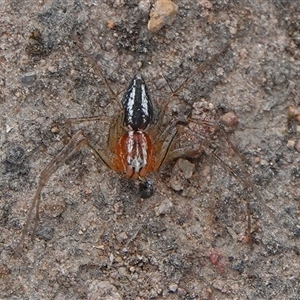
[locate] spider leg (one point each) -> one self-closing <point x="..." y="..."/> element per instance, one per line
<point x="246" y="186"/>
<point x="164" y="142"/>
<point x="88" y="119"/>
<point x="74" y="145"/>
<point x="78" y="43"/>
<point x="116" y="130"/>
<point x="245" y="179"/>
<point x="201" y="68"/>
<point x="103" y="156"/>
<point x="68" y="123"/>
<point x="169" y="137"/>
<point x="77" y="141"/>
<point x="241" y="175"/>
<point x="166" y="139"/>
<point x="189" y="151"/>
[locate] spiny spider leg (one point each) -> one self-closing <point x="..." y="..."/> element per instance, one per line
<point x="96" y="67"/>
<point x="168" y="138"/>
<point x="191" y="151"/>
<point x="201" y="68"/>
<point x="68" y="122"/>
<point x="88" y="119"/>
<point x="77" y="141"/>
<point x="247" y="181"/>
<point x="179" y="152"/>
<point x="244" y="178"/>
<point x="166" y="148"/>
<point x="74" y="145"/>
<point x="204" y="146"/>
<point x="113" y="95"/>
<point x="116" y="130"/>
<point x="246" y="186"/>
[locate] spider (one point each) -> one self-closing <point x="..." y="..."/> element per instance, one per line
<point x="136" y="144"/>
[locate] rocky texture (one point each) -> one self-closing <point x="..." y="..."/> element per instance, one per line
<point x="97" y="238"/>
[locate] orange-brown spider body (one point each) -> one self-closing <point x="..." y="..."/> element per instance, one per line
<point x="134" y="150"/>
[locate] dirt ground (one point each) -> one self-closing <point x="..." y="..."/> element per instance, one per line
<point x="97" y="238"/>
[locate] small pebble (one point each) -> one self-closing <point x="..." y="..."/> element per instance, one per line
<point x="294" y="113"/>
<point x="230" y="121"/>
<point x="46" y="233"/>
<point x="182" y="171"/>
<point x="291" y="144"/>
<point x="15" y="155"/>
<point x="111" y="258"/>
<point x="118" y="259"/>
<point x="220" y="72"/>
<point x="173" y="287"/>
<point x="164" y="208"/>
<point x="122" y="271"/>
<point x="4" y="271"/>
<point x="181" y="292"/>
<point x="163" y="13"/>
<point x="176" y="184"/>
<point x="122" y="237"/>
<point x="52" y="69"/>
<point x="186" y="167"/>
<point x="264" y="162"/>
<point x="55" y="209"/>
<point x="297" y="146"/>
<point x="29" y="78"/>
<point x="103" y="290"/>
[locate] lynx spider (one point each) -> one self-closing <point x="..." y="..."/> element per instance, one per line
<point x="131" y="149"/>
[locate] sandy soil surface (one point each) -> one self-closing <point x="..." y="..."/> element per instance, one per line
<point x="98" y="239"/>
